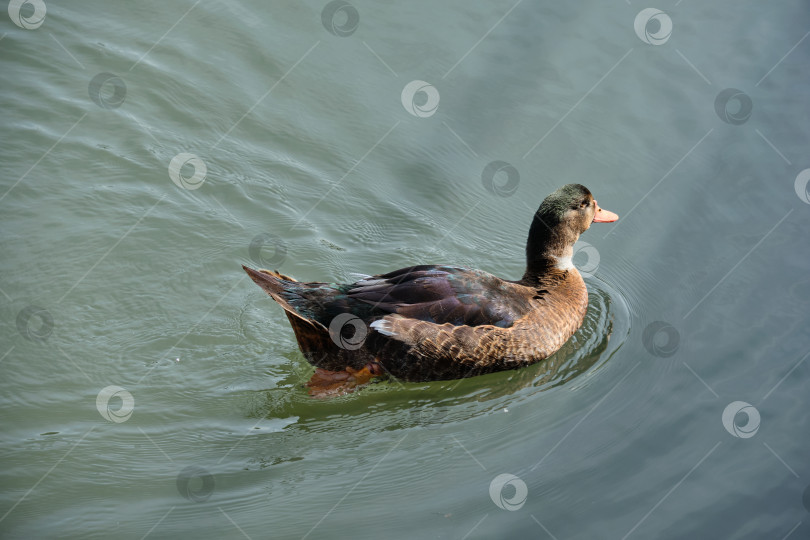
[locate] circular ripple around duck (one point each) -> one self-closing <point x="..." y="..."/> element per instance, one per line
<point x="330" y="430"/>
<point x="603" y="332"/>
<point x="432" y="404"/>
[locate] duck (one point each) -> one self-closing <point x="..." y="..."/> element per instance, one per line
<point x="441" y="322"/>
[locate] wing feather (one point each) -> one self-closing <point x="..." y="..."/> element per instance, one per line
<point x="458" y="296"/>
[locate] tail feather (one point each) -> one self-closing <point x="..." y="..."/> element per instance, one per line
<point x="273" y="283"/>
<point x="312" y="336"/>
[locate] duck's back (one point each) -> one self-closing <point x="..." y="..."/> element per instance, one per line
<point x="422" y="350"/>
<point x="436" y="294"/>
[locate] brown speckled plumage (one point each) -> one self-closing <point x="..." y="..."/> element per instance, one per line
<point x="442" y="322"/>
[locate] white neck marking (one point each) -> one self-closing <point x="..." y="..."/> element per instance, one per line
<point x="564" y="263"/>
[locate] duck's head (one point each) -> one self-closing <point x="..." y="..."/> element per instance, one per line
<point x="561" y="218"/>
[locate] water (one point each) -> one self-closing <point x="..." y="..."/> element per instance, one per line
<point x="114" y="275"/>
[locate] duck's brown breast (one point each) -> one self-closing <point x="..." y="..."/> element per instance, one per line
<point x="559" y="310"/>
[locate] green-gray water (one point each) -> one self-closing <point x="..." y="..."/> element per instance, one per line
<point x="150" y="148"/>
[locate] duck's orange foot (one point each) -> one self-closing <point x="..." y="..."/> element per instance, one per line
<point x="325" y="383"/>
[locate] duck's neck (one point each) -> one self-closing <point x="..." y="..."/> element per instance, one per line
<point x="549" y="251"/>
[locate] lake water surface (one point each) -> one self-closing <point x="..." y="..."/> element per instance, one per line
<point x="150" y="389"/>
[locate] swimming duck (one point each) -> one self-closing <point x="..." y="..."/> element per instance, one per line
<point x="433" y="322"/>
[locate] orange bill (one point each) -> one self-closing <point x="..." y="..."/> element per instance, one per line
<point x="603" y="216"/>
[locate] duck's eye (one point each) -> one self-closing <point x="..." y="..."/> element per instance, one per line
<point x="583" y="204"/>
